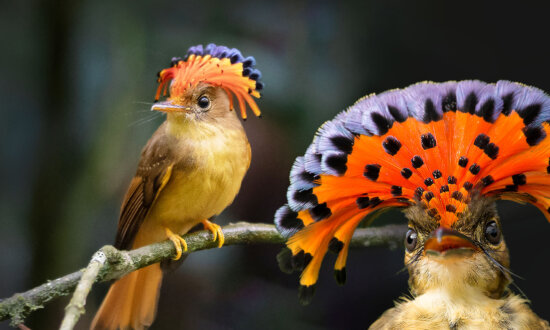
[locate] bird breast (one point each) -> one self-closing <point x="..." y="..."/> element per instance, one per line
<point x="205" y="181"/>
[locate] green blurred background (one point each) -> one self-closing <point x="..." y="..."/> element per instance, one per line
<point x="76" y="83"/>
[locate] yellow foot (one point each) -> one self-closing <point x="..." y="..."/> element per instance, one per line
<point x="178" y="242"/>
<point x="216" y="230"/>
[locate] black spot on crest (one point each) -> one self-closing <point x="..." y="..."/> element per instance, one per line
<point x="429" y="195"/>
<point x="362" y="202"/>
<point x="487" y="110"/>
<point x="381" y="122"/>
<point x="470" y="103"/>
<point x="450" y="208"/>
<point x="308" y="177"/>
<point x="530" y="113"/>
<point x="428" y="141"/>
<point x="437" y="174"/>
<point x="396" y="190"/>
<point x="306" y="293"/>
<point x="375" y="201"/>
<point x="406" y="172"/>
<point x="417" y="161"/>
<point x="305" y="196"/>
<point x="491" y="150"/>
<point x="511" y="188"/>
<point x="534" y="135"/>
<point x="335" y="245"/>
<point x="300" y="260"/>
<point x="428" y="182"/>
<point x="462" y="161"/>
<point x="320" y="212"/>
<point x="430" y="112"/>
<point x="372" y="171"/>
<point x="396" y="114"/>
<point x="487" y="180"/>
<point x="457" y="195"/>
<point x="391" y="145"/>
<point x="444" y="189"/>
<point x="338" y="163"/>
<point x="519" y="179"/>
<point x="507" y="104"/>
<point x="340" y="276"/>
<point x="290" y="220"/>
<point x="342" y="143"/>
<point x="449" y="102"/>
<point x="451" y="180"/>
<point x="481" y="141"/>
<point x="418" y="192"/>
<point x="468" y="185"/>
<point x="474" y="169"/>
<point x="432" y="212"/>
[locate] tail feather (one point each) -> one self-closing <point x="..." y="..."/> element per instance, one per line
<point x="131" y="302"/>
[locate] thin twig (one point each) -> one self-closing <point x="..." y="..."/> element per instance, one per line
<point x="120" y="263"/>
<point x="75" y="308"/>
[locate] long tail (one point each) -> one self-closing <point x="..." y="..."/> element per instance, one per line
<point x="131" y="302"/>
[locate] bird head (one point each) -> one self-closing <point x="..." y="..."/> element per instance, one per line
<point x="470" y="253"/>
<point x="202" y="84"/>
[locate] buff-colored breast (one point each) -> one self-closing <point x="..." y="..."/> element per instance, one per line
<point x="220" y="158"/>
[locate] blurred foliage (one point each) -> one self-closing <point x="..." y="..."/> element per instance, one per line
<point x="77" y="79"/>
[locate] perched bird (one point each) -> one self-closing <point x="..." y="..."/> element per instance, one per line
<point x="190" y="170"/>
<point x="443" y="152"/>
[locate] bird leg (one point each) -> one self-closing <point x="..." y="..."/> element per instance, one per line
<point x="178" y="241"/>
<point x="216" y="231"/>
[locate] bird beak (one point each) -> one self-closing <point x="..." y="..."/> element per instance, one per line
<point x="445" y="242"/>
<point x="168" y="106"/>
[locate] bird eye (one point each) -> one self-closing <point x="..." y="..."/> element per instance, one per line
<point x="203" y="102"/>
<point x="410" y="239"/>
<point x="492" y="232"/>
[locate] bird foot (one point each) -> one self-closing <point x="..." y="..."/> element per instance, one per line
<point x="178" y="241"/>
<point x="216" y="230"/>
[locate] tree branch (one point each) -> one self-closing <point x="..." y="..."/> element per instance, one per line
<point x="119" y="263"/>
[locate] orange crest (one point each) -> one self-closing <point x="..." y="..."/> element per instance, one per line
<point x="434" y="145"/>
<point x="218" y="66"/>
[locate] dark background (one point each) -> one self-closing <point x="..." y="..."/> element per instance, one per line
<point x="76" y="83"/>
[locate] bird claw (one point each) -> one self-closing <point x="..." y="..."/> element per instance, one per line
<point x="178" y="242"/>
<point x="216" y="231"/>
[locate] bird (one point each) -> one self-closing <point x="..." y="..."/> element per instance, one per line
<point x="443" y="153"/>
<point x="190" y="170"/>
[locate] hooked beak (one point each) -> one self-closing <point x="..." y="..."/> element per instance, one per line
<point x="168" y="106"/>
<point x="446" y="242"/>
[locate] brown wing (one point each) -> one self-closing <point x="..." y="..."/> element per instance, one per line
<point x="141" y="194"/>
<point x="154" y="170"/>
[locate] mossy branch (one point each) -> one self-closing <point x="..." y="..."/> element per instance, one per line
<point x="119" y="263"/>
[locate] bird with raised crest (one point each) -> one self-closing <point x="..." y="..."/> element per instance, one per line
<point x="190" y="170"/>
<point x="444" y="153"/>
